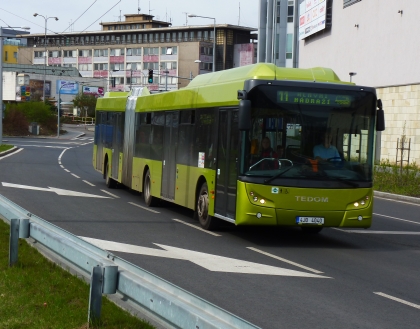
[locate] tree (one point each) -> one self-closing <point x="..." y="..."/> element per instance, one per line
<point x="86" y="103"/>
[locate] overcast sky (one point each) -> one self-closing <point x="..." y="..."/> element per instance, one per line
<point x="85" y="15"/>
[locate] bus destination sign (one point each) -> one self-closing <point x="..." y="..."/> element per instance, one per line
<point x="305" y="98"/>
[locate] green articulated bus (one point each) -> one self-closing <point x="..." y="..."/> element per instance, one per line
<point x="255" y="145"/>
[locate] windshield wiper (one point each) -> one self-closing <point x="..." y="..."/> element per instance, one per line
<point x="268" y="180"/>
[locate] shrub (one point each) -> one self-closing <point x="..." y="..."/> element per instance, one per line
<point x="393" y="178"/>
<point x="15" y="123"/>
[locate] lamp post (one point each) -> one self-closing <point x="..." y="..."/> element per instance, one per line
<point x="1" y="77"/>
<point x="352" y="74"/>
<point x="214" y="38"/>
<point x="46" y="18"/>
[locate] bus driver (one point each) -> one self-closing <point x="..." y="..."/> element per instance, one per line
<point x="325" y="150"/>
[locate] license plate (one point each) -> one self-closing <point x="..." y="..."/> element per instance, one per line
<point x="310" y="220"/>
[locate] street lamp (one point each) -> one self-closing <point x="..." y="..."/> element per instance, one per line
<point x="1" y="76"/>
<point x="214" y="38"/>
<point x="352" y="74"/>
<point x="46" y="18"/>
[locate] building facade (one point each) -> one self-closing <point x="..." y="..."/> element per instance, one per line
<point x="372" y="43"/>
<point x="278" y="32"/>
<point x="122" y="53"/>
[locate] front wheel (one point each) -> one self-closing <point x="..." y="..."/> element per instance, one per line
<point x="150" y="200"/>
<point x="110" y="183"/>
<point x="202" y="210"/>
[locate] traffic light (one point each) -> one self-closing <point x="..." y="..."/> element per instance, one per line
<point x="150" y="78"/>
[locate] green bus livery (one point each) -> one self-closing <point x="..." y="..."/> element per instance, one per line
<point x="255" y="145"/>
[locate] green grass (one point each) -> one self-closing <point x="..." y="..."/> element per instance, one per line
<point x="394" y="179"/>
<point x="37" y="293"/>
<point x="5" y="147"/>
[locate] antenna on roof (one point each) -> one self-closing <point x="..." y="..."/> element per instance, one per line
<point x="186" y="18"/>
<point x="138" y="7"/>
<point x="239" y="18"/>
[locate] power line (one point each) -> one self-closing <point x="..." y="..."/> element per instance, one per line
<point x="102" y="15"/>
<point x="80" y="16"/>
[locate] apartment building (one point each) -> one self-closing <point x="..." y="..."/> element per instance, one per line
<point x="123" y="52"/>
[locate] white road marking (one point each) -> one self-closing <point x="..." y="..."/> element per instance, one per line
<point x="148" y="209"/>
<point x="47" y="146"/>
<point x="208" y="261"/>
<point x="61" y="154"/>
<point x="285" y="260"/>
<point x="61" y="143"/>
<point x="109" y="193"/>
<point x="398" y="300"/>
<point x="88" y="183"/>
<point x="67" y="170"/>
<point x="411" y="203"/>
<point x="196" y="227"/>
<point x="404" y="220"/>
<point x="75" y="176"/>
<point x="378" y="232"/>
<point x="13" y="153"/>
<point x="55" y="190"/>
<point x="62" y="166"/>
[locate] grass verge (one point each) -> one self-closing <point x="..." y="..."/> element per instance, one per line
<point x="395" y="179"/>
<point x="5" y="147"/>
<point x="37" y="293"/>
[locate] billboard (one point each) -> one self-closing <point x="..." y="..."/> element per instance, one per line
<point x="36" y="87"/>
<point x="67" y="87"/>
<point x="312" y="17"/>
<point x="95" y="91"/>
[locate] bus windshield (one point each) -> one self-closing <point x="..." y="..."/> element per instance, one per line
<point x="307" y="137"/>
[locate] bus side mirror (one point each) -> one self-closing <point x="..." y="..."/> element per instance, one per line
<point x="244" y="114"/>
<point x="380" y="117"/>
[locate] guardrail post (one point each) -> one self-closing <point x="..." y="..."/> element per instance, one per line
<point x="13" y="241"/>
<point x="19" y="228"/>
<point x="95" y="295"/>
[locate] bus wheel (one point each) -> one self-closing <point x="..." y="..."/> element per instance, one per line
<point x="311" y="230"/>
<point x="202" y="210"/>
<point x="108" y="180"/>
<point x="150" y="200"/>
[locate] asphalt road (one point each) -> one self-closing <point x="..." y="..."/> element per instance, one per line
<point x="274" y="278"/>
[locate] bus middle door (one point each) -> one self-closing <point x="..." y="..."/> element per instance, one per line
<point x="170" y="138"/>
<point x="226" y="165"/>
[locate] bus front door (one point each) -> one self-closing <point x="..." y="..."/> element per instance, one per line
<point x="170" y="136"/>
<point x="226" y="164"/>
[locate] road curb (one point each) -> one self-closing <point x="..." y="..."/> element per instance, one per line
<point x="12" y="150"/>
<point x="397" y="197"/>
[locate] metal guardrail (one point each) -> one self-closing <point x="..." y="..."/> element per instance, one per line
<point x="109" y="274"/>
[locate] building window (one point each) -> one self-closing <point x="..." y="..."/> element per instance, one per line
<point x="85" y="53"/>
<point x="117" y="52"/>
<point x="151" y="66"/>
<point x="347" y="3"/>
<point x="85" y="67"/>
<point x="151" y="51"/>
<point x="117" y="66"/>
<point x="168" y="50"/>
<point x="69" y="53"/>
<point x="290" y="14"/>
<point x="100" y="53"/>
<point x="15" y="55"/>
<point x="6" y="56"/>
<point x="133" y="51"/>
<point x="55" y="54"/>
<point x="169" y="65"/>
<point x="133" y="66"/>
<point x="101" y="67"/>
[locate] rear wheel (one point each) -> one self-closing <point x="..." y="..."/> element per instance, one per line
<point x="150" y="200"/>
<point x="202" y="210"/>
<point x="108" y="180"/>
